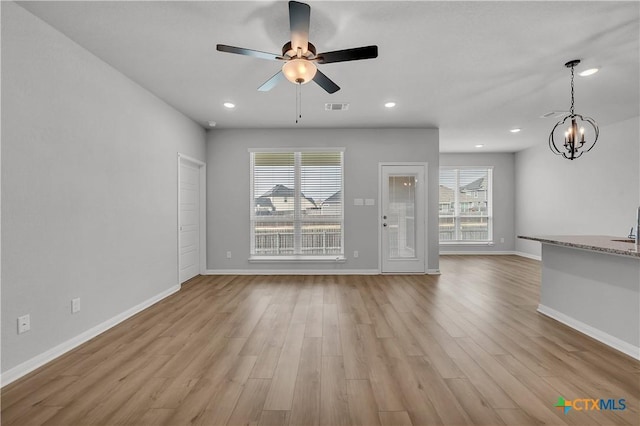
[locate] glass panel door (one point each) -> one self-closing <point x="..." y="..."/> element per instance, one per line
<point x="402" y="206"/>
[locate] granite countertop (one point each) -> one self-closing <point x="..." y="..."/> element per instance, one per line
<point x="602" y="243"/>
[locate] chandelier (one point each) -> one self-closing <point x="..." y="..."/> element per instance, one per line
<point x="581" y="134"/>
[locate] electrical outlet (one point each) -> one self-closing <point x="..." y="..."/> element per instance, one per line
<point x="228" y="255"/>
<point x="75" y="305"/>
<point x="356" y="254"/>
<point x="502" y="240"/>
<point x="24" y="323"/>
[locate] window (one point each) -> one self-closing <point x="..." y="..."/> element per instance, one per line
<point x="465" y="204"/>
<point x="296" y="204"/>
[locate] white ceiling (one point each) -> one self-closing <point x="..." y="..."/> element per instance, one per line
<point x="472" y="69"/>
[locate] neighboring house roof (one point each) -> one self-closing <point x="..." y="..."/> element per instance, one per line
<point x="283" y="191"/>
<point x="334" y="199"/>
<point x="479" y="184"/>
<point x="278" y="191"/>
<point x="264" y="202"/>
<point x="466" y="193"/>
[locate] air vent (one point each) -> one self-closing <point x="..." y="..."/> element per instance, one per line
<point x="554" y="114"/>
<point x="336" y="107"/>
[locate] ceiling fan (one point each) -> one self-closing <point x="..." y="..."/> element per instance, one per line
<point x="299" y="55"/>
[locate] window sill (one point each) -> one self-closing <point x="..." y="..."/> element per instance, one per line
<point x="308" y="259"/>
<point x="466" y="243"/>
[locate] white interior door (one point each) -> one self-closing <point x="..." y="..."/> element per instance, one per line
<point x="189" y="219"/>
<point x="402" y="220"/>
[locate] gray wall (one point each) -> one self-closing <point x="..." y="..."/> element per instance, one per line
<point x="89" y="204"/>
<point x="503" y="199"/>
<point x="228" y="189"/>
<point x="597" y="194"/>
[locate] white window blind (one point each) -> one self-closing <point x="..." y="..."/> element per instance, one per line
<point x="465" y="206"/>
<point x="296" y="204"/>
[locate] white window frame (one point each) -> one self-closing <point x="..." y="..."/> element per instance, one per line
<point x="457" y="213"/>
<point x="298" y="219"/>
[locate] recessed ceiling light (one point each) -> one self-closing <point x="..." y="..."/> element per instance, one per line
<point x="515" y="130"/>
<point x="229" y="105"/>
<point x="480" y="145"/>
<point x="389" y="104"/>
<point x="588" y="72"/>
<point x="212" y="123"/>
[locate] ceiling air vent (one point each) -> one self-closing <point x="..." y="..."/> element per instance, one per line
<point x="336" y="107"/>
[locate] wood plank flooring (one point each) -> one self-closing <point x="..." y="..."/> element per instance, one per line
<point x="466" y="347"/>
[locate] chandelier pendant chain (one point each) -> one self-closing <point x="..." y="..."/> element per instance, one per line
<point x="572" y="109"/>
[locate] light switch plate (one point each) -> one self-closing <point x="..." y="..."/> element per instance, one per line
<point x="370" y="202"/>
<point x="358" y="202"/>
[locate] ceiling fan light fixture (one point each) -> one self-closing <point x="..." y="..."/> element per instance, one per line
<point x="299" y="70"/>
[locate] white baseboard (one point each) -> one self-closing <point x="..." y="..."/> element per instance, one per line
<point x="302" y="272"/>
<point x="599" y="335"/>
<point x="527" y="255"/>
<point x="292" y="272"/>
<point x="489" y="253"/>
<point x="476" y="253"/>
<point x="39" y="360"/>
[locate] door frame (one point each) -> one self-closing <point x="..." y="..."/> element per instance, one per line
<point x="202" y="175"/>
<point x="425" y="217"/>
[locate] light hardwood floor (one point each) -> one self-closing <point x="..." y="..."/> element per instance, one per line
<point x="466" y="347"/>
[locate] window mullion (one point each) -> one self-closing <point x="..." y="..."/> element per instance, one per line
<point x="297" y="214"/>
<point x="252" y="204"/>
<point x="490" y="204"/>
<point x="456" y="210"/>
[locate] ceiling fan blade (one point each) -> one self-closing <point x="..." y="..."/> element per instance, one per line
<point x="325" y="82"/>
<point x="355" y="54"/>
<point x="248" y="52"/>
<point x="271" y="83"/>
<point x="299" y="16"/>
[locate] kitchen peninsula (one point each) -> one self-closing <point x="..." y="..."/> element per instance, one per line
<point x="592" y="284"/>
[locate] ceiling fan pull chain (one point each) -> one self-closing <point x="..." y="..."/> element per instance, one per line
<point x="298" y="102"/>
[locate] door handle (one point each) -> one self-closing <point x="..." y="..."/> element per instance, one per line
<point x="384" y="224"/>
